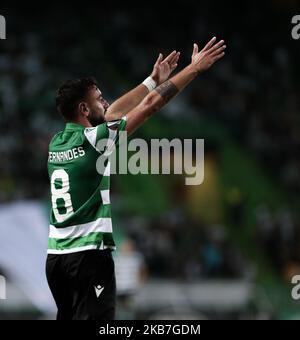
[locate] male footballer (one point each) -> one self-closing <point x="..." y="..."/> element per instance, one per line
<point x="80" y="268"/>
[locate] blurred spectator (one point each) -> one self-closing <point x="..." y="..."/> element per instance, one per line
<point x="131" y="273"/>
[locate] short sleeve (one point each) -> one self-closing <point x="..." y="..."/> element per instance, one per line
<point x="106" y="137"/>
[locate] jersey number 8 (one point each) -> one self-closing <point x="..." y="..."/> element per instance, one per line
<point x="61" y="193"/>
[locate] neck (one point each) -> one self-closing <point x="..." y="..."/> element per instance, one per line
<point x="81" y="121"/>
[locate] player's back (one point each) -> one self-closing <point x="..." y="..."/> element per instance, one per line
<point x="80" y="215"/>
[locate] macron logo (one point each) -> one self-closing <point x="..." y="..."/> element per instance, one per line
<point x="98" y="290"/>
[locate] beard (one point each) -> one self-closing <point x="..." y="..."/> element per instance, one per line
<point x="96" y="118"/>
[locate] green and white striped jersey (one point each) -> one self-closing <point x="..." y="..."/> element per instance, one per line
<point x="80" y="217"/>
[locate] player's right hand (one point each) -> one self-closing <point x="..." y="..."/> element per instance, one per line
<point x="212" y="52"/>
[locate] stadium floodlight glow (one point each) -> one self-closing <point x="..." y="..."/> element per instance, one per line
<point x="2" y="27"/>
<point x="2" y="288"/>
<point x="166" y="157"/>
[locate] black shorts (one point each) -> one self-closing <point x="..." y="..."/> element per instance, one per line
<point x="83" y="285"/>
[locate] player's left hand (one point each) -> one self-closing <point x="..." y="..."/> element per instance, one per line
<point x="164" y="67"/>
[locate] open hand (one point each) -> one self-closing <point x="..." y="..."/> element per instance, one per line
<point x="212" y="52"/>
<point x="163" y="68"/>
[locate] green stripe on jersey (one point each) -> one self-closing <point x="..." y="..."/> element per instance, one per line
<point x="91" y="239"/>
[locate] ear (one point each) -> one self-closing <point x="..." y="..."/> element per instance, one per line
<point x="83" y="109"/>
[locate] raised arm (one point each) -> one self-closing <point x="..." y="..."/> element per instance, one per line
<point x="158" y="98"/>
<point x="161" y="72"/>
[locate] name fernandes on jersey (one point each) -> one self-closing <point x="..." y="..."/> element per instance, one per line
<point x="67" y="155"/>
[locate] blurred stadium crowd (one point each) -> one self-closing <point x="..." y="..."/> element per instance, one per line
<point x="253" y="95"/>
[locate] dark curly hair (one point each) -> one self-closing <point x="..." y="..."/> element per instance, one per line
<point x="71" y="93"/>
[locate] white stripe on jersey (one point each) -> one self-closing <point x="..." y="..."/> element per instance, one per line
<point x="102" y="224"/>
